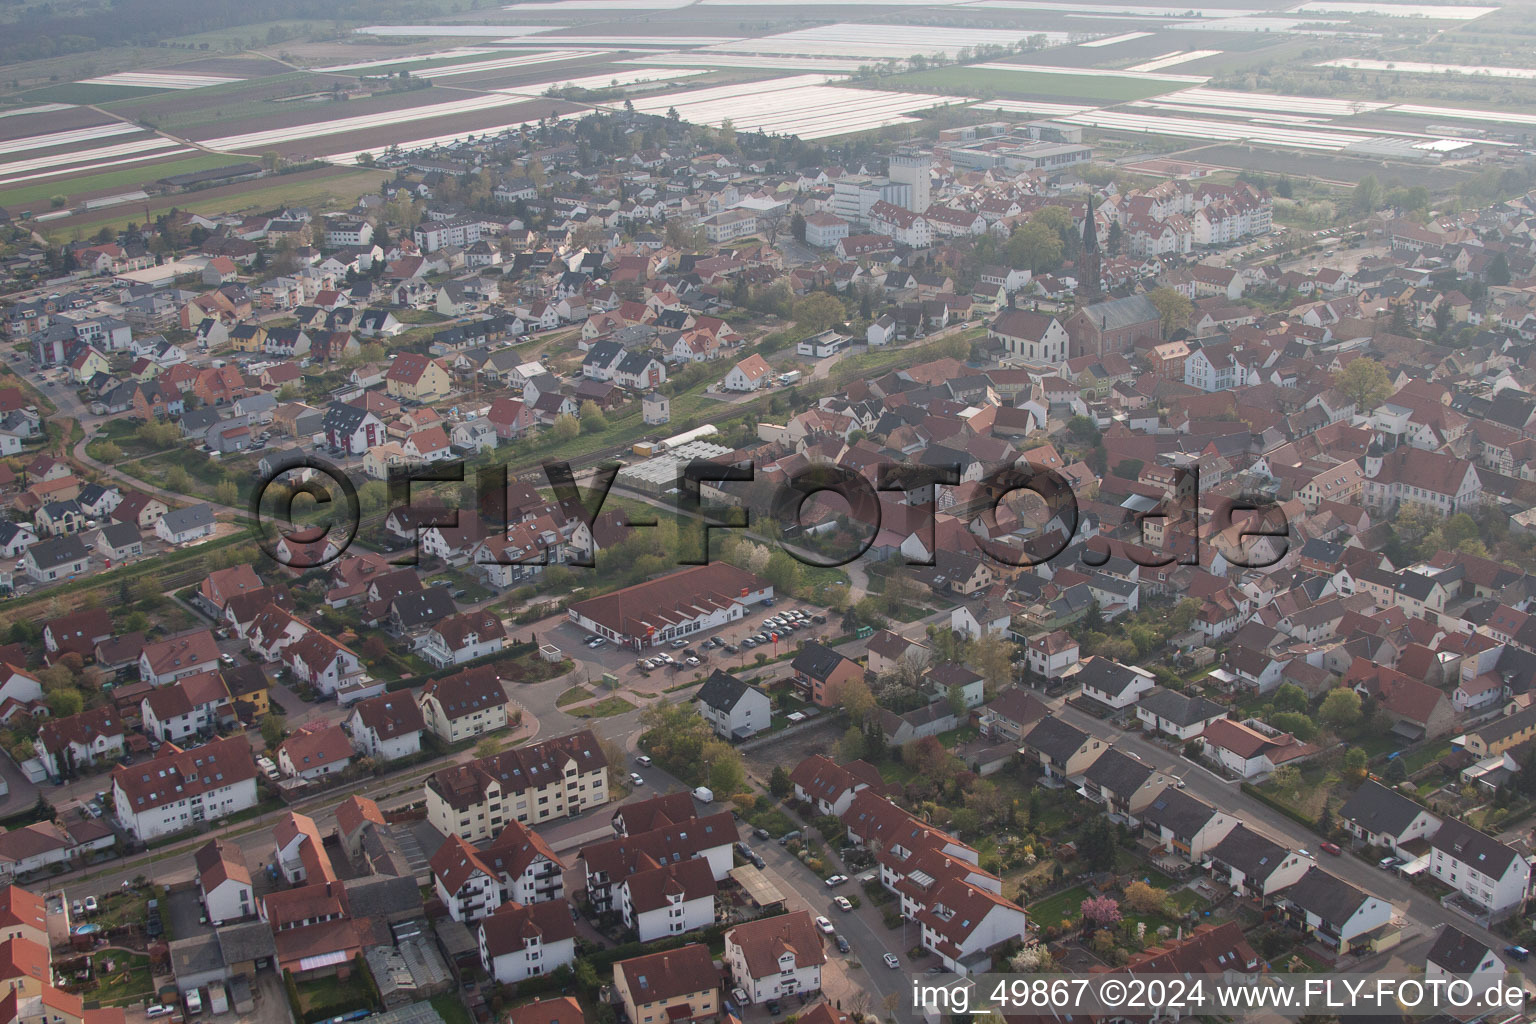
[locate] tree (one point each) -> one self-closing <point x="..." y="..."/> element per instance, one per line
<point x="1035" y="245"/>
<point x="1296" y="723"/>
<point x="1290" y="697"/>
<point x="1097" y="843"/>
<point x="566" y="428"/>
<point x="1498" y="270"/>
<point x="727" y="774"/>
<point x="1365" y="199"/>
<point x="853" y="744"/>
<point x="273" y="729"/>
<point x="176" y="479"/>
<point x="592" y="418"/>
<point x="57" y="202"/>
<point x="226" y="493"/>
<point x="1101" y="911"/>
<point x="1340" y="709"/>
<point x="1364" y="382"/>
<point x="1173" y="307"/>
<point x="779" y="783"/>
<point x="856" y="699"/>
<point x="1142" y="898"/>
<point x="108" y="452"/>
<point x="1356" y="765"/>
<point x="675" y="735"/>
<point x="1397" y="771"/>
<point x="797" y="228"/>
<point x="818" y="312"/>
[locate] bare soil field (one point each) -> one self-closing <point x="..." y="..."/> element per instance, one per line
<point x="1326" y="166"/>
<point x="302" y="112"/>
<point x="378" y="139"/>
<point x="245" y="65"/>
<point x="22" y="126"/>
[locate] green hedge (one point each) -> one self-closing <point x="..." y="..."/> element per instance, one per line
<point x="1269" y="801"/>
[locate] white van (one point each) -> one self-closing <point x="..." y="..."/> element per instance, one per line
<point x="704" y="795"/>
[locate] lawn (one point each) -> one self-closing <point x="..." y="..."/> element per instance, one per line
<point x="450" y="1009"/>
<point x="1026" y="84"/>
<point x="130" y="980"/>
<point x="574" y="695"/>
<point x="125" y="178"/>
<point x="1064" y="906"/>
<point x="604" y="708"/>
<point x="332" y="991"/>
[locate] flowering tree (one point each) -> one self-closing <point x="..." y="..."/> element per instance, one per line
<point x="1101" y="911"/>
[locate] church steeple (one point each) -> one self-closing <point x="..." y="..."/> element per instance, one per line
<point x="1088" y="275"/>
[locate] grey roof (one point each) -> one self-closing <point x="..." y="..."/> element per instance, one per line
<point x="426" y="605"/>
<point x="1255" y="855"/>
<point x="1055" y="738"/>
<point x="1473" y="848"/>
<point x="1332" y="899"/>
<point x="1116" y="313"/>
<point x="56" y="551"/>
<point x="1180" y="708"/>
<point x="1456" y="951"/>
<point x="190" y="518"/>
<point x="1502" y="728"/>
<point x="1107" y="676"/>
<point x="382" y="896"/>
<point x="1178" y="812"/>
<point x="200" y="955"/>
<point x="722" y="691"/>
<point x="1119" y="773"/>
<point x="120" y="534"/>
<point x="1379" y="810"/>
<point x="249" y="940"/>
<point x="816" y="660"/>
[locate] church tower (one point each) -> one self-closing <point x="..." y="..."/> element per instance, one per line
<point x="1088" y="267"/>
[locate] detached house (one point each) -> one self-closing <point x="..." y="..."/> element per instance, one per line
<point x="1493" y="876"/>
<point x="465" y="704"/>
<point x="774" y="957"/>
<point x="1379" y="816"/>
<point x="732" y="708"/>
<point x="519" y="942"/>
<point x="386" y="727"/>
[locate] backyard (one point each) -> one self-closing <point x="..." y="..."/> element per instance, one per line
<point x="121" y="978"/>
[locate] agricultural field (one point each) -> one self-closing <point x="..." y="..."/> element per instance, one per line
<point x="1024" y="83"/>
<point x="804" y="105"/>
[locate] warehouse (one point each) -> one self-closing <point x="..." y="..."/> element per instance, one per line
<point x="669" y="607"/>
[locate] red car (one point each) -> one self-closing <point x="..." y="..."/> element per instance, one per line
<point x="1332" y="848"/>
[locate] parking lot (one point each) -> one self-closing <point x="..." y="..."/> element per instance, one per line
<point x="725" y="647"/>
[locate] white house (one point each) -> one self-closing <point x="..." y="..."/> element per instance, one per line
<point x="224" y="882"/>
<point x="750" y="374"/>
<point x="1175" y="714"/>
<point x="669" y="900"/>
<point x="387" y="727"/>
<point x="467" y="886"/>
<point x="1255" y="864"/>
<point x="1188" y="826"/>
<point x="184" y="525"/>
<point x="734" y="709"/>
<point x="962" y="921"/>
<point x="526" y="865"/>
<point x="1113" y="684"/>
<point x="518" y="942"/>
<point x="1384" y="817"/>
<point x="774" y="957"/>
<point x="1456" y="954"/>
<point x="187" y="707"/>
<point x="464" y="637"/>
<point x="1336" y="913"/>
<point x="315" y="749"/>
<point x="1492" y="875"/>
<point x="180" y="789"/>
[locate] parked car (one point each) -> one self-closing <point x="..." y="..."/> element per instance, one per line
<point x="843" y="903"/>
<point x="835" y="880"/>
<point x="842" y="944"/>
<point x="760" y="833"/>
<point x="636" y="779"/>
<point x="91" y="904"/>
<point x="1332" y="848"/>
<point x="679" y="644"/>
<point x="825" y="925"/>
<point x="787" y="836"/>
<point x="732" y="649"/>
<point x="159" y="1010"/>
<point x="643" y="761"/>
<point x="773" y="1007"/>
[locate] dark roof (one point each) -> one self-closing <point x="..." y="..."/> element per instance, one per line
<point x="722" y="691"/>
<point x="1179" y="708"/>
<point x="1456" y="951"/>
<point x="1473" y="848"/>
<point x="1253" y="854"/>
<point x="1330" y="898"/>
<point x="816" y="660"/>
<point x="1120" y="773"/>
<point x="1055" y="738"/>
<point x="1178" y="812"/>
<point x="1380" y="810"/>
<point x="56" y="551"/>
<point x="429" y="604"/>
<point x="1107" y="676"/>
